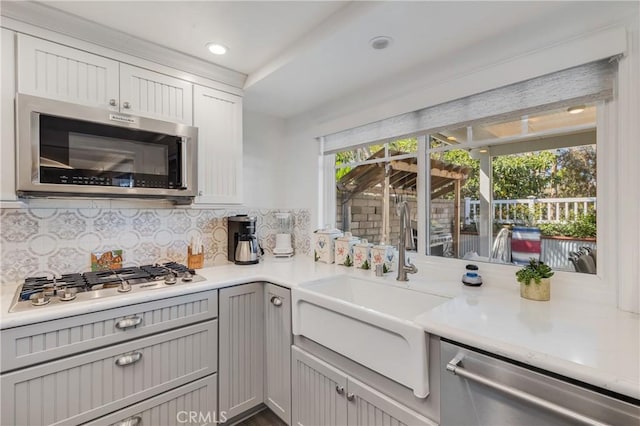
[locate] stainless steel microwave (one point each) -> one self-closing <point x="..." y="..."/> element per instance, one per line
<point x="65" y="149"/>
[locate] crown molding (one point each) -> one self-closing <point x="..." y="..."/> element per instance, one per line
<point x="45" y="17"/>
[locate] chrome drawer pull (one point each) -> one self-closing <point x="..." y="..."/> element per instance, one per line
<point x="339" y="389"/>
<point x="129" y="359"/>
<point x="276" y="301"/>
<point x="123" y="324"/>
<point x="350" y="396"/>
<point x="133" y="421"/>
<point x="454" y="368"/>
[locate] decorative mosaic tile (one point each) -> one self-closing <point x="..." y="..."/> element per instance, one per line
<point x="68" y="259"/>
<point x="179" y="222"/>
<point x="146" y="223"/>
<point x="17" y="264"/>
<point x="57" y="241"/>
<point x="18" y="226"/>
<point x="109" y="223"/>
<point x="67" y="225"/>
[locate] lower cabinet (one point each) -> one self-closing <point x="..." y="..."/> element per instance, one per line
<point x="277" y="374"/>
<point x="83" y="387"/>
<point x="192" y="404"/>
<point x="241" y="374"/>
<point x="255" y="349"/>
<point x="324" y="395"/>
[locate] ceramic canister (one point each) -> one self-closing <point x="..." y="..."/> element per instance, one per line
<point x="344" y="249"/>
<point x="383" y="254"/>
<point x="324" y="244"/>
<point x="362" y="255"/>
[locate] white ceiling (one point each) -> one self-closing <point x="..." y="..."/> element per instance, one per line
<point x="301" y="55"/>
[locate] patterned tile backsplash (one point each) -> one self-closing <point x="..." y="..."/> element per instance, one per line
<point x="59" y="241"/>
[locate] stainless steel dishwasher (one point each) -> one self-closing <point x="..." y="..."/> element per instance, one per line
<point x="481" y="389"/>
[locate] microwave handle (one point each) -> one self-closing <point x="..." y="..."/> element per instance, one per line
<point x="183" y="160"/>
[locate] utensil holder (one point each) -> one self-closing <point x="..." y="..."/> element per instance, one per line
<point x="195" y="261"/>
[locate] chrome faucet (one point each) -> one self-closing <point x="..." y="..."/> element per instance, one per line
<point x="404" y="267"/>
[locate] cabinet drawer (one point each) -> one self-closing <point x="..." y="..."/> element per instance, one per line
<point x="41" y="342"/>
<point x="192" y="404"/>
<point x="86" y="386"/>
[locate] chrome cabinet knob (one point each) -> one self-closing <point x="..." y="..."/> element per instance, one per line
<point x="126" y="105"/>
<point x="339" y="389"/>
<point x="276" y="301"/>
<point x="112" y="102"/>
<point x="350" y="396"/>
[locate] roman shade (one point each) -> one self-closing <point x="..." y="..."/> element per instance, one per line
<point x="586" y="83"/>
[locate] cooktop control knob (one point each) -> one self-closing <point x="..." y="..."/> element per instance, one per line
<point x="39" y="299"/>
<point x="170" y="280"/>
<point x="66" y="294"/>
<point x="124" y="287"/>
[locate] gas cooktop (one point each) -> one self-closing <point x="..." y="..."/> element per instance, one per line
<point x="37" y="292"/>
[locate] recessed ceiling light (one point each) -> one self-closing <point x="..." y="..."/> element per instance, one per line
<point x="576" y="109"/>
<point x="380" y="42"/>
<point x="483" y="150"/>
<point x="216" y="48"/>
<point x="451" y="138"/>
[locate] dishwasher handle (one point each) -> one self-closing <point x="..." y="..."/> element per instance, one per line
<point x="456" y="369"/>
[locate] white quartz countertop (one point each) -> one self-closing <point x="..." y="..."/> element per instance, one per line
<point x="599" y="345"/>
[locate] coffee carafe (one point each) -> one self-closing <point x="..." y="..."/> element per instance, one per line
<point x="242" y="241"/>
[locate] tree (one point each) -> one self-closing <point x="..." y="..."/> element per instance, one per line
<point x="576" y="172"/>
<point x="523" y="175"/>
<point x="514" y="176"/>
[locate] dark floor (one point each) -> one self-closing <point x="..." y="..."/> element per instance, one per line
<point x="263" y="418"/>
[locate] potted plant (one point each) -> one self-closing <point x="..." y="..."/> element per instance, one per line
<point x="535" y="280"/>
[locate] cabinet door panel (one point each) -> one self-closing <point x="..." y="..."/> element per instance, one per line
<point x="7" y="131"/>
<point x="318" y="390"/>
<point x="151" y="94"/>
<point x="278" y="351"/>
<point x="218" y="116"/>
<point x="80" y="388"/>
<point x="372" y="408"/>
<point x="54" y="71"/>
<point x="192" y="404"/>
<point x="241" y="348"/>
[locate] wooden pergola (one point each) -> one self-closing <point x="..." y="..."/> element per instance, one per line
<point x="401" y="176"/>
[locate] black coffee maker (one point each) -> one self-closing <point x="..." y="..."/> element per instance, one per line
<point x="242" y="242"/>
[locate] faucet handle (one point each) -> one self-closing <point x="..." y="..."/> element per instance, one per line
<point x="411" y="268"/>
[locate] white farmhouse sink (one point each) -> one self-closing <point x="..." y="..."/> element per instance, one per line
<point x="369" y="322"/>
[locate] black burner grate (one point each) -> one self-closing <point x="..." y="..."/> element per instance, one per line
<point x="34" y="285"/>
<point x="103" y="279"/>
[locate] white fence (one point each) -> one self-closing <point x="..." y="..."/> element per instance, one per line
<point x="542" y="210"/>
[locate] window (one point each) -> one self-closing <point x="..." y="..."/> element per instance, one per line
<point x="503" y="125"/>
<point x="369" y="182"/>
<point x="516" y="189"/>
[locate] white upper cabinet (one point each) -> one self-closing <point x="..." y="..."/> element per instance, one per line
<point x="218" y="116"/>
<point x="150" y="94"/>
<point x="7" y="130"/>
<point x="54" y="71"/>
<point x="51" y="70"/>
